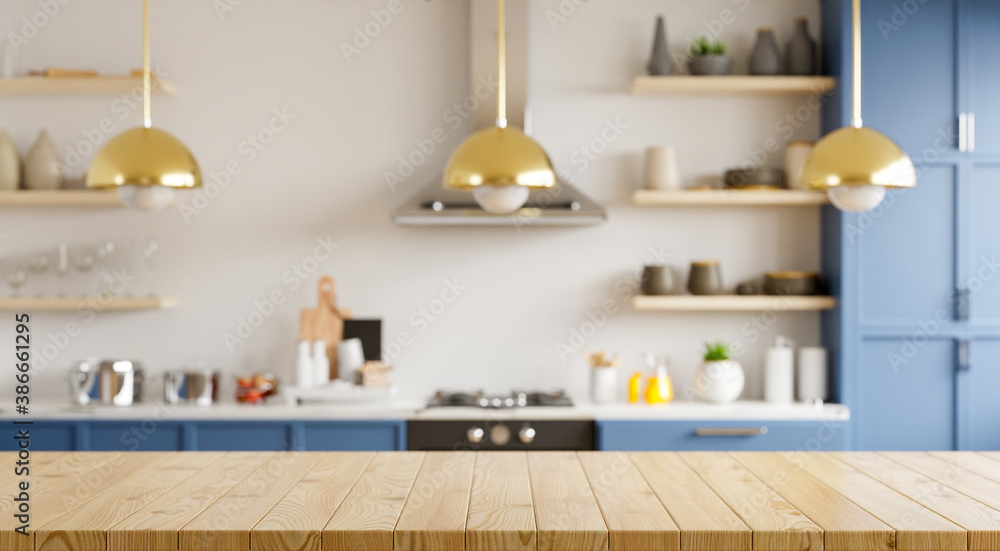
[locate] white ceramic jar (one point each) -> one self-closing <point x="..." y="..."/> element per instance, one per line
<point x="719" y="382"/>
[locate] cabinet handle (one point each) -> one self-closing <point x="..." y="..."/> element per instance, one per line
<point x="962" y="306"/>
<point x="970" y="141"/>
<point x="963" y="134"/>
<point x="732" y="431"/>
<point x="964" y="355"/>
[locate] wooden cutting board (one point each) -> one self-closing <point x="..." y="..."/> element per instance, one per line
<point x="325" y="322"/>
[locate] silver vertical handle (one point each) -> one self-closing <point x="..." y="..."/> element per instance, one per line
<point x="964" y="355"/>
<point x="962" y="305"/>
<point x="970" y="140"/>
<point x="963" y="127"/>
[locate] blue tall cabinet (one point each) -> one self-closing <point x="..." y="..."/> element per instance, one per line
<point x="916" y="335"/>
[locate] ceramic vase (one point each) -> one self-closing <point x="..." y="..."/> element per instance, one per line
<point x="659" y="61"/>
<point x="765" y="58"/>
<point x="43" y="167"/>
<point x="10" y="164"/>
<point x="801" y="50"/>
<point x="705" y="278"/>
<point x="657" y="280"/>
<point x="711" y="65"/>
<point x="719" y="382"/>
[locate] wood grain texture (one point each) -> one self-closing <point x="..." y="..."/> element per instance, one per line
<point x="776" y="523"/>
<point x="225" y="524"/>
<point x="991" y="455"/>
<point x="981" y="521"/>
<point x="50" y="471"/>
<point x="436" y="510"/>
<point x="120" y="468"/>
<point x="85" y="527"/>
<point x="501" y="515"/>
<point x="296" y="522"/>
<point x="155" y="526"/>
<point x="706" y="523"/>
<point x="846" y="527"/>
<point x="635" y="518"/>
<point x="728" y="198"/>
<point x="973" y="462"/>
<point x="567" y="516"/>
<point x="368" y="515"/>
<point x="917" y="527"/>
<point x="955" y="477"/>
<point x="731" y="84"/>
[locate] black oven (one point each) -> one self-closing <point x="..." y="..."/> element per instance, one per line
<point x="500" y="434"/>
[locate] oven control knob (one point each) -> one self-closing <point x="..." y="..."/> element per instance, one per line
<point x="475" y="435"/>
<point x="527" y="434"/>
<point x="500" y="435"/>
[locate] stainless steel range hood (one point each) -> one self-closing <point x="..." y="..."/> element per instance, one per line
<point x="433" y="205"/>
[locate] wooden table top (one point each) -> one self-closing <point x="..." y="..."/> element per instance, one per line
<point x="506" y="501"/>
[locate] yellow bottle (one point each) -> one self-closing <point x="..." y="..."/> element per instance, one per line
<point x="634" y="382"/>
<point x="660" y="389"/>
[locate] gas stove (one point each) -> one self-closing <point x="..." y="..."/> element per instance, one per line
<point x="515" y="399"/>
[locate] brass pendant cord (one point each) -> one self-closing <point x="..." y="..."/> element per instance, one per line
<point x="147" y="118"/>
<point x="501" y="65"/>
<point x="856" y="64"/>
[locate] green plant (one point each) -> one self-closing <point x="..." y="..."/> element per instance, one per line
<point x="702" y="46"/>
<point x="717" y="351"/>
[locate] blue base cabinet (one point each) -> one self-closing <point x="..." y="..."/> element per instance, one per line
<point x="721" y="436"/>
<point x="215" y="435"/>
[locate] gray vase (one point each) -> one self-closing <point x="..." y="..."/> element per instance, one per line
<point x="711" y="65"/>
<point x="659" y="61"/>
<point x="658" y="280"/>
<point x="705" y="278"/>
<point x="765" y="58"/>
<point x="43" y="166"/>
<point x="801" y="50"/>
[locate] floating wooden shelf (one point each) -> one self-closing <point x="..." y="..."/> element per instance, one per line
<point x="80" y="86"/>
<point x="737" y="84"/>
<point x="733" y="198"/>
<point x="731" y="303"/>
<point x="31" y="304"/>
<point x="60" y="198"/>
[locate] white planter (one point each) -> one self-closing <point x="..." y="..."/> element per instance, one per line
<point x="719" y="382"/>
<point x="603" y="384"/>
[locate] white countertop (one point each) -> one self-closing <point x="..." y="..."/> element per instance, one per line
<point x="402" y="409"/>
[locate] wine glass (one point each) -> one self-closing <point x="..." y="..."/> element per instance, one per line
<point x="38" y="265"/>
<point x="83" y="259"/>
<point x="61" y="267"/>
<point x="16" y="275"/>
<point x="150" y="257"/>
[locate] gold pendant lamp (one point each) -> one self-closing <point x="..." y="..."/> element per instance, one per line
<point x="856" y="165"/>
<point x="146" y="165"/>
<point x="500" y="165"/>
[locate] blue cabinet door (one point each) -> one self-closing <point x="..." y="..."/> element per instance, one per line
<point x="982" y="27"/>
<point x="47" y="435"/>
<point x="982" y="282"/>
<point x="981" y="383"/>
<point x="721" y="436"/>
<point x="139" y="435"/>
<point x="243" y="436"/>
<point x="910" y="72"/>
<point x="907" y="253"/>
<point x="355" y="436"/>
<point x="906" y="394"/>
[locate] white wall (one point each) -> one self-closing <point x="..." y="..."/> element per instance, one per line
<point x="324" y="176"/>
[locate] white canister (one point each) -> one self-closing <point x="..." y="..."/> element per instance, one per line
<point x="779" y="385"/>
<point x="662" y="171"/>
<point x="603" y="384"/>
<point x="304" y="370"/>
<point x="321" y="364"/>
<point x="350" y="358"/>
<point x="796" y="154"/>
<point x="812" y="373"/>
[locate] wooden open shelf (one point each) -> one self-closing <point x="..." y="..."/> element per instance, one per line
<point x="733" y="84"/>
<point x="60" y="198"/>
<point x="732" y="198"/>
<point x="31" y="304"/>
<point x="731" y="303"/>
<point x="80" y="86"/>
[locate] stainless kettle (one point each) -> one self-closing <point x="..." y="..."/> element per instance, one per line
<point x="193" y="386"/>
<point x="109" y="382"/>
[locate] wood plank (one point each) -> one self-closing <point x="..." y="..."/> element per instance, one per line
<point x="60" y="198"/>
<point x="121" y="468"/>
<point x="846" y="527"/>
<point x="85" y="527"/>
<point x="225" y="525"/>
<point x="991" y="455"/>
<point x="955" y="477"/>
<point x="368" y="515"/>
<point x="155" y="526"/>
<point x="501" y="515"/>
<point x="728" y="198"/>
<point x="981" y="521"/>
<point x="731" y="84"/>
<point x="730" y="303"/>
<point x="297" y="521"/>
<point x="75" y="303"/>
<point x="567" y="516"/>
<point x="50" y="471"/>
<point x="975" y="462"/>
<point x="100" y="85"/>
<point x="436" y="510"/>
<point x="635" y="518"/>
<point x="917" y="527"/>
<point x="706" y="523"/>
<point x="777" y="525"/>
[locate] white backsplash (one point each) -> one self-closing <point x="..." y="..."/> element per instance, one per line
<point x="523" y="296"/>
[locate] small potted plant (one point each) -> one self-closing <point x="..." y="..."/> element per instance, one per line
<point x="719" y="379"/>
<point x="709" y="58"/>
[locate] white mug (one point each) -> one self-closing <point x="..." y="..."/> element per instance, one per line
<point x="796" y="154"/>
<point x="662" y="171"/>
<point x="350" y="358"/>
